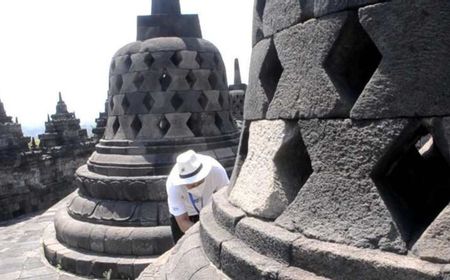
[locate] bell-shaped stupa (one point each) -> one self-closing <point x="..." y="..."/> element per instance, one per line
<point x="168" y="93"/>
<point x="345" y="153"/>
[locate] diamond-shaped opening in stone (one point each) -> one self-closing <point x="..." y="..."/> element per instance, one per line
<point x="148" y="101"/>
<point x="191" y="79"/>
<point x="149" y="60"/>
<point x="176" y="58"/>
<point x="111" y="103"/>
<point x="260" y="5"/>
<point x="292" y="162"/>
<point x="413" y="179"/>
<point x="163" y="125"/>
<point x="352" y="60"/>
<point x="199" y="59"/>
<point x="116" y="125"/>
<point x="213" y="80"/>
<point x="136" y="125"/>
<point x="203" y="100"/>
<point x="127" y="62"/>
<point x="176" y="101"/>
<point x="219" y="122"/>
<point x="165" y="80"/>
<point x="271" y="71"/>
<point x="138" y="80"/>
<point x="259" y="35"/>
<point x="119" y="82"/>
<point x="194" y="123"/>
<point x="125" y="103"/>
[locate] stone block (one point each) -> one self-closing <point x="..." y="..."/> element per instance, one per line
<point x="434" y="244"/>
<point x="225" y="214"/>
<point x="151" y="241"/>
<point x="267" y="239"/>
<point x="97" y="239"/>
<point x="279" y="15"/>
<point x="146" y="214"/>
<point x="304" y="88"/>
<point x="212" y="235"/>
<point x="163" y="214"/>
<point x="257" y="31"/>
<point x="401" y="86"/>
<point x="240" y="262"/>
<point x="340" y="201"/>
<point x="325" y="7"/>
<point x="341" y="262"/>
<point x="118" y="240"/>
<point x="256" y="101"/>
<point x="276" y="166"/>
<point x="293" y="273"/>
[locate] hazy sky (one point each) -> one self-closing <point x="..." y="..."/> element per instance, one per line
<point x="49" y="46"/>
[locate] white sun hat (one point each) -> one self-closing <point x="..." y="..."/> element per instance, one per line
<point x="190" y="168"/>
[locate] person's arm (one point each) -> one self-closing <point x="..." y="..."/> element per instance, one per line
<point x="184" y="222"/>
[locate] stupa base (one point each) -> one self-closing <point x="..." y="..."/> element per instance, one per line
<point x="247" y="248"/>
<point x="85" y="263"/>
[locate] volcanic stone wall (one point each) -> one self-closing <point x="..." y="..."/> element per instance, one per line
<point x="37" y="180"/>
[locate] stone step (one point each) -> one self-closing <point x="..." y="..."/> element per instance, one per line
<point x="85" y="263"/>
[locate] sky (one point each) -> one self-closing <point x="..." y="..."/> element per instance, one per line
<point x="51" y="46"/>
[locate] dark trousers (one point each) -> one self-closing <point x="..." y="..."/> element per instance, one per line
<point x="176" y="231"/>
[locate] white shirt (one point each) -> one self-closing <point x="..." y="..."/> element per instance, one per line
<point x="178" y="196"/>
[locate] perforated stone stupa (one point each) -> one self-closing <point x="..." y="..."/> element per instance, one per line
<point x="237" y="93"/>
<point x="345" y="151"/>
<point x="168" y="93"/>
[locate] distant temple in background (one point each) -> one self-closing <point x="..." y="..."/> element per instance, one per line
<point x="35" y="176"/>
<point x="63" y="128"/>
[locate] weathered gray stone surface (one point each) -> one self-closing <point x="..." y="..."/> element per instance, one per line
<point x="212" y="236"/>
<point x="279" y="15"/>
<point x="346" y="262"/>
<point x="240" y="262"/>
<point x="256" y="101"/>
<point x="268" y="182"/>
<point x="21" y="253"/>
<point x="305" y="89"/>
<point x="434" y="244"/>
<point x="401" y="86"/>
<point x="185" y="261"/>
<point x="267" y="239"/>
<point x="225" y="213"/>
<point x="340" y="202"/>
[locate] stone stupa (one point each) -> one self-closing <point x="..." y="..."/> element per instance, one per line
<point x="345" y="150"/>
<point x="62" y="128"/>
<point x="12" y="141"/>
<point x="168" y="93"/>
<point x="237" y="93"/>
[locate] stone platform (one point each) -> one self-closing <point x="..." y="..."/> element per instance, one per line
<point x="21" y="253"/>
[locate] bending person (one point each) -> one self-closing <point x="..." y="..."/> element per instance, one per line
<point x="190" y="186"/>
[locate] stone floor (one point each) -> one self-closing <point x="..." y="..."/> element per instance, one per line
<point x="21" y="254"/>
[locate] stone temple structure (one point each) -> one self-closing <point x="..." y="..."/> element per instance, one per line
<point x="168" y="93"/>
<point x="62" y="129"/>
<point x="12" y="141"/>
<point x="36" y="178"/>
<point x="101" y="121"/>
<point x="237" y="93"/>
<point x="345" y="150"/>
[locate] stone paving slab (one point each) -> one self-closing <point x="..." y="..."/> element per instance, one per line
<point x="21" y="254"/>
